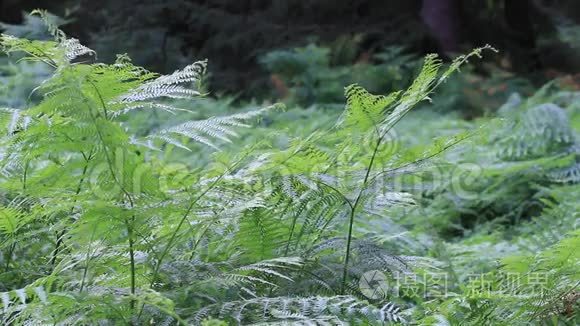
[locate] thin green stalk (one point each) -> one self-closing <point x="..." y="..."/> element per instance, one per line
<point x="294" y="220"/>
<point x="353" y="212"/>
<point x="183" y="219"/>
<point x="180" y="224"/>
<point x="174" y="236"/>
<point x="198" y="241"/>
<point x="128" y="224"/>
<point x="131" y="260"/>
<point x="60" y="235"/>
<point x="302" y="230"/>
<point x="10" y="254"/>
<point x="88" y="260"/>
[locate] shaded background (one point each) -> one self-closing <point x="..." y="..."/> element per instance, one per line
<point x="235" y="34"/>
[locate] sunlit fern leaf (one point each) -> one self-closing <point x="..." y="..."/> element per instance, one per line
<point x="462" y="59"/>
<point x="557" y="266"/>
<point x="10" y="220"/>
<point x="210" y="130"/>
<point x="62" y="50"/>
<point x="383" y="112"/>
<point x="74" y="49"/>
<point x="303" y="156"/>
<point x="558" y="217"/>
<point x="162" y="107"/>
<point x="44" y="51"/>
<point x="421" y="87"/>
<point x="297" y="187"/>
<point x="363" y="109"/>
<point x="32" y="26"/>
<point x="317" y="213"/>
<point x="564" y="252"/>
<point x="168" y="86"/>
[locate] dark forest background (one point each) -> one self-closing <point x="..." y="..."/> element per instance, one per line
<point x="234" y="34"/>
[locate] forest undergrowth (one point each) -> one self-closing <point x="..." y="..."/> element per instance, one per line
<point x="129" y="197"/>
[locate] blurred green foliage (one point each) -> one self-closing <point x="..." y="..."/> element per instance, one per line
<point x="315" y="74"/>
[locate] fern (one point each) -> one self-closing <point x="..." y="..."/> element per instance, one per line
<point x="541" y="130"/>
<point x="16" y="302"/>
<point x="202" y="131"/>
<point x="284" y="309"/>
<point x="277" y="231"/>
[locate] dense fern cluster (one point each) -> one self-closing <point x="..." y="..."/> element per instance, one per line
<point x="103" y="223"/>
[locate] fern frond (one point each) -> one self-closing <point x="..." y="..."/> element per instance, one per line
<point x="541" y="130"/>
<point x="16" y="214"/>
<point x="15" y="302"/>
<point x="169" y="86"/>
<point x="208" y="130"/>
<point x="260" y="233"/>
<point x="74" y="49"/>
<point x="364" y="110"/>
<point x="569" y="174"/>
<point x="280" y="308"/>
<point x="12" y="120"/>
<point x="270" y="267"/>
<point x="62" y="50"/>
<point x="48" y="20"/>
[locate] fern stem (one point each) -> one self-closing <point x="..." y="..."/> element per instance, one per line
<point x="88" y="259"/>
<point x="183" y="219"/>
<point x="291" y="229"/>
<point x="10" y="254"/>
<point x="174" y="236"/>
<point x="353" y="212"/>
<point x="105" y="113"/>
<point x="131" y="240"/>
<point x="180" y="224"/>
<point x="347" y="254"/>
<point x="60" y="235"/>
<point x="198" y="241"/>
<point x="25" y="176"/>
<point x="129" y="226"/>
